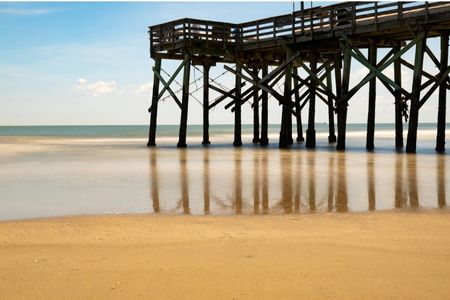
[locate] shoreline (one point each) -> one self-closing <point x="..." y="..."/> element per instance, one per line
<point x="359" y="255"/>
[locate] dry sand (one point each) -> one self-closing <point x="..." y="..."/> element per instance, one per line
<point x="339" y="256"/>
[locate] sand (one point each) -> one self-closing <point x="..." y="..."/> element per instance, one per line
<point x="340" y="256"/>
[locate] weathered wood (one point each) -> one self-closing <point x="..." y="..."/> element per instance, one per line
<point x="331" y="133"/>
<point x="300" y="137"/>
<point x="398" y="103"/>
<point x="285" y="139"/>
<point x="311" y="130"/>
<point x="264" y="112"/>
<point x="206" y="105"/>
<point x="166" y="85"/>
<point x="341" y="105"/>
<point x="237" y="112"/>
<point x="255" y="110"/>
<point x="415" y="100"/>
<point x="153" y="110"/>
<point x="229" y="94"/>
<point x="372" y="99"/>
<point x="440" y="135"/>
<point x="184" y="102"/>
<point x="171" y="79"/>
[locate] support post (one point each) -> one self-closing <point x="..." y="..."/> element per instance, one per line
<point x="372" y="99"/>
<point x="415" y="99"/>
<point x="331" y="133"/>
<point x="300" y="137"/>
<point x="398" y="102"/>
<point x="154" y="107"/>
<point x="206" y="141"/>
<point x="184" y="102"/>
<point x="255" y="110"/>
<point x="264" y="112"/>
<point x="342" y="102"/>
<point x="237" y="112"/>
<point x="285" y="139"/>
<point x="311" y="131"/>
<point x="440" y="137"/>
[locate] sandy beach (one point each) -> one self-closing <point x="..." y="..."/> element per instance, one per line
<point x="338" y="256"/>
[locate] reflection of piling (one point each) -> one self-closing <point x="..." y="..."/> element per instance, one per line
<point x="154" y="181"/>
<point x="331" y="174"/>
<point x="440" y="168"/>
<point x="341" y="196"/>
<point x="371" y="181"/>
<point x="298" y="176"/>
<point x="206" y="189"/>
<point x="286" y="181"/>
<point x="412" y="181"/>
<point x="265" y="183"/>
<point x="399" y="191"/>
<point x="256" y="183"/>
<point x="312" y="180"/>
<point x="237" y="181"/>
<point x="184" y="182"/>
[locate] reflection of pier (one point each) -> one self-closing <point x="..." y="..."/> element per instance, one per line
<point x="310" y="52"/>
<point x="321" y="180"/>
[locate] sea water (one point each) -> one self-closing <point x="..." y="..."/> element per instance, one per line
<point x="77" y="170"/>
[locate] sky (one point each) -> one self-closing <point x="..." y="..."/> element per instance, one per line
<point x="88" y="63"/>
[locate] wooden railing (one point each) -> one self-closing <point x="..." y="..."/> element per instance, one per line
<point x="331" y="20"/>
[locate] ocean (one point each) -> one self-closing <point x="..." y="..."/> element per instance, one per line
<point x="51" y="171"/>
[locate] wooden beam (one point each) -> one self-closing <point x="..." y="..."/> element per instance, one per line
<point x="285" y="133"/>
<point x="372" y="98"/>
<point x="331" y="133"/>
<point x="440" y="135"/>
<point x="237" y="113"/>
<point x="311" y="130"/>
<point x="175" y="98"/>
<point x="264" y="114"/>
<point x="342" y="102"/>
<point x="225" y="94"/>
<point x="415" y="100"/>
<point x="184" y="102"/>
<point x="255" y="109"/>
<point x="438" y="83"/>
<point x="171" y="79"/>
<point x="206" y="105"/>
<point x="398" y="103"/>
<point x="300" y="137"/>
<point x="153" y="110"/>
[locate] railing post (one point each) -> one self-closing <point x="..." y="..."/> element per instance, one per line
<point x="400" y="12"/>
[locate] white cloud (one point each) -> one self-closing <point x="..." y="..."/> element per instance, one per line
<point x="25" y="11"/>
<point x="97" y="88"/>
<point x="145" y="88"/>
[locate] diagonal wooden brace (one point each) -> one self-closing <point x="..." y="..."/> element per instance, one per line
<point x="229" y="94"/>
<point x="167" y="87"/>
<point x="442" y="78"/>
<point x="180" y="67"/>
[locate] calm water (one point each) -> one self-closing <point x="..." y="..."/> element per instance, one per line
<point x="55" y="171"/>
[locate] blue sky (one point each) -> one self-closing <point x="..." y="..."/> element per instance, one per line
<point x="88" y="63"/>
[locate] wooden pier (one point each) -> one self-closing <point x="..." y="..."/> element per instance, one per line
<point x="322" y="42"/>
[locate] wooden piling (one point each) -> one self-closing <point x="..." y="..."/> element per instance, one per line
<point x="440" y="136"/>
<point x="255" y="110"/>
<point x="398" y="102"/>
<point x="264" y="141"/>
<point x="311" y="131"/>
<point x="206" y="105"/>
<point x="372" y="100"/>
<point x="300" y="137"/>
<point x="285" y="140"/>
<point x="342" y="102"/>
<point x="415" y="99"/>
<point x="331" y="133"/>
<point x="237" y="112"/>
<point x="153" y="110"/>
<point x="184" y="102"/>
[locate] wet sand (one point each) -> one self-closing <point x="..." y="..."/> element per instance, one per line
<point x="337" y="256"/>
